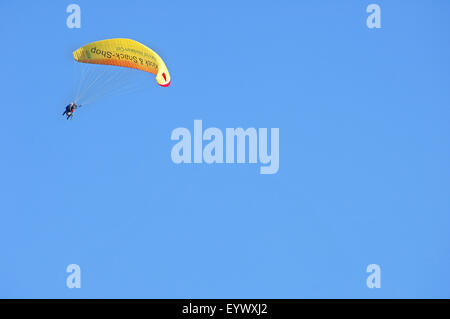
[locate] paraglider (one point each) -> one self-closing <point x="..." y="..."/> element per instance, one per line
<point x="100" y="79"/>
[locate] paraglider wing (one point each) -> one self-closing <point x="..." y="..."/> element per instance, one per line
<point x="126" y="53"/>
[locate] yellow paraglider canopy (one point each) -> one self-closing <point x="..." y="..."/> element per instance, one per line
<point x="126" y="53"/>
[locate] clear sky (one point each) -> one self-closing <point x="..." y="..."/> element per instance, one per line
<point x="364" y="173"/>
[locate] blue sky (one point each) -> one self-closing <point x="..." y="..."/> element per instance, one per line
<point x="364" y="153"/>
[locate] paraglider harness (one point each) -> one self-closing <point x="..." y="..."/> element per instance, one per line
<point x="70" y="109"/>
